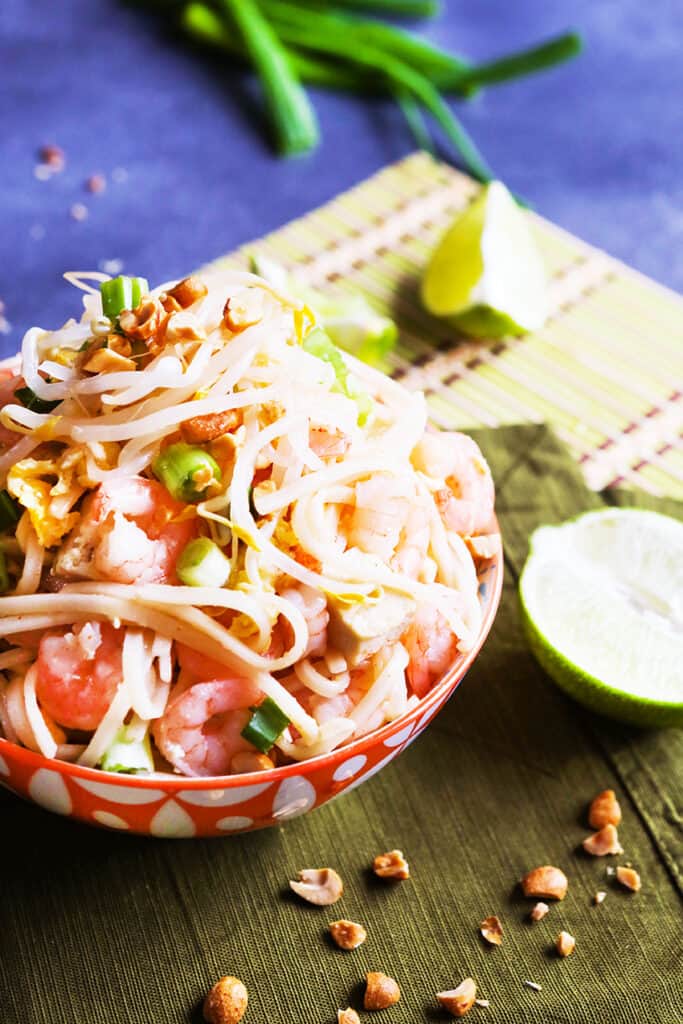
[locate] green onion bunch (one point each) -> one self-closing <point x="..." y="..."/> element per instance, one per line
<point x="331" y="43"/>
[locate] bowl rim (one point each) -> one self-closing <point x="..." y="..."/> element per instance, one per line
<point x="172" y="783"/>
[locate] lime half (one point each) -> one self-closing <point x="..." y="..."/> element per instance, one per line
<point x="602" y="607"/>
<point x="486" y="274"/>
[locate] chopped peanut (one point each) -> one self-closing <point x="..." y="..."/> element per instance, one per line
<point x="492" y="930"/>
<point x="182" y="327"/>
<point x="105" y="360"/>
<point x="117" y="343"/>
<point x="565" y="943"/>
<point x="599" y="896"/>
<point x="321" y="886"/>
<point x="381" y="991"/>
<point x="484" y="1003"/>
<point x="243" y="310"/>
<point x="604" y="810"/>
<point x="391" y="865"/>
<point x="538" y="911"/>
<point x="545" y="881"/>
<point x="347" y="1016"/>
<point x="249" y="761"/>
<point x="144" y="321"/>
<point x="459" y="1001"/>
<point x="603" y="843"/>
<point x="348" y="934"/>
<point x="629" y="878"/>
<point x="226" y="1003"/>
<point x="200" y="429"/>
<point x="184" y="294"/>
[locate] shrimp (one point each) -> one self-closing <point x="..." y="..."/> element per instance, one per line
<point x="130" y="532"/>
<point x="381" y="507"/>
<point x="313" y="607"/>
<point x="411" y="557"/>
<point x="78" y="673"/>
<point x="465" y="503"/>
<point x="431" y="647"/>
<point x="200" y="730"/>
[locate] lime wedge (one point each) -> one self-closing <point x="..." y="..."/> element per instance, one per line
<point x="602" y="608"/>
<point x="486" y="275"/>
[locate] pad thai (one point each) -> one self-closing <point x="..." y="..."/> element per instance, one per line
<point x="225" y="545"/>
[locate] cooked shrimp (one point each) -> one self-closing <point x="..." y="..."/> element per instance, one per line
<point x="200" y="730"/>
<point x="466" y="501"/>
<point x="313" y="606"/>
<point x="78" y="673"/>
<point x="130" y="532"/>
<point x="411" y="557"/>
<point x="431" y="647"/>
<point x="381" y="507"/>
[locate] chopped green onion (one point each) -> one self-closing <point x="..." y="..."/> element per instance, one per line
<point x="10" y="511"/>
<point x="402" y="8"/>
<point x="4" y="575"/>
<point x="290" y="110"/>
<point x="128" y="755"/>
<point x="415" y="120"/>
<point x="186" y="471"/>
<point x="30" y="399"/>
<point x="122" y="293"/>
<point x="203" y="564"/>
<point x="266" y="724"/>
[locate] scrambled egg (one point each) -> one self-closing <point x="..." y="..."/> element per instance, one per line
<point x="48" y="489"/>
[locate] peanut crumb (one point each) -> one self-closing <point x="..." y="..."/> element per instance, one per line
<point x="459" y="1001"/>
<point x="599" y="896"/>
<point x="392" y="865"/>
<point x="348" y="934"/>
<point x="546" y="881"/>
<point x="604" y="810"/>
<point x="226" y="1003"/>
<point x="491" y="930"/>
<point x="533" y="985"/>
<point x="629" y="878"/>
<point x="321" y="886"/>
<point x="603" y="843"/>
<point x="484" y="1003"/>
<point x="538" y="911"/>
<point x="347" y="1016"/>
<point x="565" y="943"/>
<point x="381" y="991"/>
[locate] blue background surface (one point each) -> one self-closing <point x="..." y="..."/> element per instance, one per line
<point x="596" y="145"/>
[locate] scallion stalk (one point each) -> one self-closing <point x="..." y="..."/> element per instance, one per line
<point x="292" y="115"/>
<point x="186" y="471"/>
<point x="515" y="65"/>
<point x="30" y="400"/>
<point x="401" y="8"/>
<point x="415" y="120"/>
<point x="266" y="724"/>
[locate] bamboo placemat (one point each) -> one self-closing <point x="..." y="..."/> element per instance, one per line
<point x="606" y="371"/>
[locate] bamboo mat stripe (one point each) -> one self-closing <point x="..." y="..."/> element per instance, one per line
<point x="606" y="371"/>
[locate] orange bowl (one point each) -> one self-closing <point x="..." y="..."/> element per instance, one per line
<point x="176" y="806"/>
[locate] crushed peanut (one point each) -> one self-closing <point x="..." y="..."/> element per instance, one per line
<point x="533" y="985"/>
<point x="459" y="1001"/>
<point x="184" y="294"/>
<point x="545" y="881"/>
<point x="629" y="878"/>
<point x="106" y="360"/>
<point x="321" y="886"/>
<point x="391" y="865"/>
<point x="243" y="310"/>
<point x="565" y="943"/>
<point x="182" y="327"/>
<point x="538" y="911"/>
<point x="144" y="321"/>
<point x="381" y="991"/>
<point x="200" y="429"/>
<point x="484" y="1003"/>
<point x="348" y="934"/>
<point x="347" y="1016"/>
<point x="604" y="810"/>
<point x="226" y="1003"/>
<point x="599" y="896"/>
<point x="492" y="930"/>
<point x="603" y="843"/>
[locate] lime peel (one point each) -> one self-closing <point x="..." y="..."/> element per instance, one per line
<point x="602" y="607"/>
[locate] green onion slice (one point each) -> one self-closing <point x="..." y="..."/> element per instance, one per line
<point x="10" y="511"/>
<point x="122" y="293"/>
<point x="203" y="564"/>
<point x="186" y="471"/>
<point x="266" y="724"/>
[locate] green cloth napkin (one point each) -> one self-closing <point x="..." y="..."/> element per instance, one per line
<point x="103" y="927"/>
